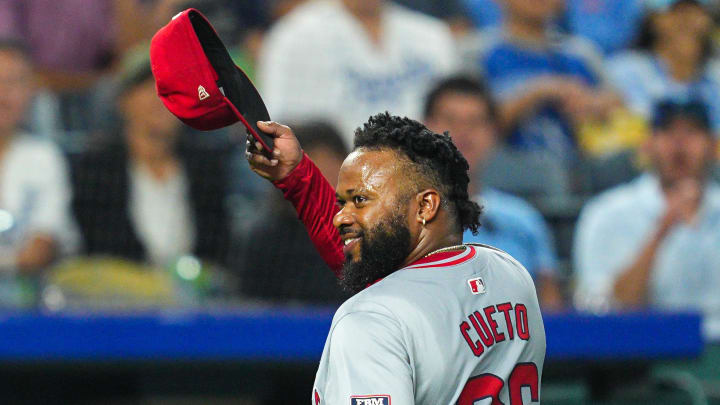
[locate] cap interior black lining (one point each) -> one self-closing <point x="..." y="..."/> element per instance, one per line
<point x="236" y="86"/>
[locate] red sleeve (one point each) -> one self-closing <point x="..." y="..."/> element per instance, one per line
<point x="314" y="200"/>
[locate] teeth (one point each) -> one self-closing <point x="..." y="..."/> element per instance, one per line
<point x="349" y="241"/>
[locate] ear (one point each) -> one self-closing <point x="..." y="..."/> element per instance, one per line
<point x="428" y="202"/>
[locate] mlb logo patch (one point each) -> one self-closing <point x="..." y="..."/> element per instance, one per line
<point x="370" y="400"/>
<point x="477" y="285"/>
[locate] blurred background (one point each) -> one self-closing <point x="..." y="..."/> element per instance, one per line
<point x="141" y="262"/>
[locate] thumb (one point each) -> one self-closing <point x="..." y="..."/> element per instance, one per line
<point x="274" y="129"/>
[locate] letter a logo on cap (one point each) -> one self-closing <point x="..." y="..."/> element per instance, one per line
<point x="202" y="93"/>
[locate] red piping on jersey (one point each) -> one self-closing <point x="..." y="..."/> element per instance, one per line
<point x="436" y="258"/>
<point x="430" y="260"/>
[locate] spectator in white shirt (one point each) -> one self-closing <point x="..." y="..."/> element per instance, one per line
<point x="35" y="225"/>
<point x="654" y="241"/>
<point x="150" y="194"/>
<point x="345" y="60"/>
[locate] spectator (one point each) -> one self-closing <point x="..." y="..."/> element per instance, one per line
<point x="70" y="40"/>
<point x="72" y="43"/>
<point x="280" y="262"/>
<point x="654" y="241"/>
<point x="462" y="106"/>
<point x="610" y="24"/>
<point x="672" y="60"/>
<point x="545" y="83"/>
<point x="349" y="59"/>
<point x="151" y="195"/>
<point x="35" y="224"/>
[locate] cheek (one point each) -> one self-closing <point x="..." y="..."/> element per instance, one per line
<point x="702" y="150"/>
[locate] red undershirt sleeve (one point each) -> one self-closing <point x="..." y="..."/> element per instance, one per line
<point x="314" y="200"/>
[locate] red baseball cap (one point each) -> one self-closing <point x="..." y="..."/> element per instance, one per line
<point x="198" y="81"/>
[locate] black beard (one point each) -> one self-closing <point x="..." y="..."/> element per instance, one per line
<point x="382" y="250"/>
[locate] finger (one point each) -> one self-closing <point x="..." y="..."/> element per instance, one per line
<point x="259" y="159"/>
<point x="274" y="129"/>
<point x="261" y="173"/>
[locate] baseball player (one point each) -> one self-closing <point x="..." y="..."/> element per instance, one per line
<point x="433" y="321"/>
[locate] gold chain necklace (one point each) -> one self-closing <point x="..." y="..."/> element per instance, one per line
<point x="446" y="249"/>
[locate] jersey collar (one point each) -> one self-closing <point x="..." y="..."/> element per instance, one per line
<point x="441" y="259"/>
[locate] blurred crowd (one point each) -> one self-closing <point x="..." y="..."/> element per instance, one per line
<point x="590" y="127"/>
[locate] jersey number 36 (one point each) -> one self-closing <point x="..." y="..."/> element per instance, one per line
<point x="488" y="386"/>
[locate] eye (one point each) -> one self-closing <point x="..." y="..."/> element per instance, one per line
<point x="358" y="199"/>
<point x="340" y="203"/>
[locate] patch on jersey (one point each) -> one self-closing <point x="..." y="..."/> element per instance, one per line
<point x="316" y="397"/>
<point x="477" y="285"/>
<point x="370" y="400"/>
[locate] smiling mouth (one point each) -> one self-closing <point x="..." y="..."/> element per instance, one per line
<point x="351" y="240"/>
<point x="349" y="245"/>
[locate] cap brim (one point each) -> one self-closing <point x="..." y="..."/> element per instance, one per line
<point x="239" y="91"/>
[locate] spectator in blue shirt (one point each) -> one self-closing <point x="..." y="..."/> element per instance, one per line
<point x="610" y="24"/>
<point x="655" y="241"/>
<point x="545" y="83"/>
<point x="461" y="106"/>
<point x="672" y="60"/>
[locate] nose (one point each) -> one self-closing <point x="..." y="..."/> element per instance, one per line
<point x="343" y="217"/>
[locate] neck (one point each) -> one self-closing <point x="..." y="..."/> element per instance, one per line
<point x="430" y="244"/>
<point x="151" y="154"/>
<point x="682" y="63"/>
<point x="369" y="17"/>
<point x="526" y="30"/>
<point x="5" y="137"/>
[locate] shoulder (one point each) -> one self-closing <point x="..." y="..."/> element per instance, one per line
<point x="310" y="18"/>
<point x="492" y="256"/>
<point x="35" y="146"/>
<point x="630" y="61"/>
<point x="620" y="200"/>
<point x="712" y="70"/>
<point x="39" y="153"/>
<point x="310" y="13"/>
<point x="579" y="47"/>
<point x="415" y="22"/>
<point x="713" y="192"/>
<point x="511" y="208"/>
<point x="583" y="52"/>
<point x="497" y="199"/>
<point x="485" y="42"/>
<point x="370" y="305"/>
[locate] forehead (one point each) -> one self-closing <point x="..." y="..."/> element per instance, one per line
<point x="466" y="102"/>
<point x="683" y="123"/>
<point x="371" y="170"/>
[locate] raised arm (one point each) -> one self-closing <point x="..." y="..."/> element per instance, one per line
<point x="302" y="183"/>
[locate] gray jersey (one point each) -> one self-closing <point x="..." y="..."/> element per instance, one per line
<point x="464" y="329"/>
